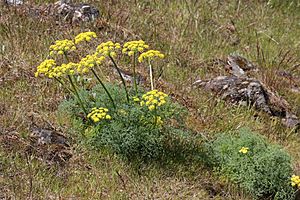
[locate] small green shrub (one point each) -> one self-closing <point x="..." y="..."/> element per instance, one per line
<point x="262" y="169"/>
<point x="132" y="131"/>
<point x="117" y="118"/>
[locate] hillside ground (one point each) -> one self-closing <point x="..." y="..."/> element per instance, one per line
<point x="192" y="34"/>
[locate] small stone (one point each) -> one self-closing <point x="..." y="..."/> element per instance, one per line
<point x="14" y="2"/>
<point x="48" y="137"/>
<point x="242" y="62"/>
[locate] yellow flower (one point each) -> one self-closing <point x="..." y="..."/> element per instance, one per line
<point x="295" y="181"/>
<point x="117" y="46"/>
<point x="113" y="54"/>
<point x="150" y="55"/>
<point x="46" y="67"/>
<point x="108" y="49"/>
<point x="151" y="107"/>
<point x="132" y="47"/>
<point x="130" y="53"/>
<point x="244" y="150"/>
<point x="89" y="62"/>
<point x="98" y="114"/>
<point x="61" y="47"/>
<point x="86" y="36"/>
<point x="153" y="99"/>
<point x="95" y="119"/>
<point x="159" y="121"/>
<point x="63" y="69"/>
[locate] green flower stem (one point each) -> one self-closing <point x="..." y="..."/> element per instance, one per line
<point x="77" y="95"/>
<point x="134" y="74"/>
<point x="120" y="74"/>
<point x="108" y="94"/>
<point x="73" y="84"/>
<point x="62" y="83"/>
<point x="151" y="75"/>
<point x="155" y="116"/>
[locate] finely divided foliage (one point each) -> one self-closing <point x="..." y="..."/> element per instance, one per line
<point x="260" y="168"/>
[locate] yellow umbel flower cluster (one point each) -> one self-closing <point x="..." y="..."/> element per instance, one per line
<point x="61" y="47"/>
<point x="244" y="150"/>
<point x="108" y="48"/>
<point x="45" y="67"/>
<point x="132" y="47"/>
<point x="98" y="114"/>
<point x="150" y="55"/>
<point x="295" y="181"/>
<point x="51" y="70"/>
<point x="89" y="62"/>
<point x="86" y="36"/>
<point x="153" y="99"/>
<point x="63" y="69"/>
<point x="159" y="121"/>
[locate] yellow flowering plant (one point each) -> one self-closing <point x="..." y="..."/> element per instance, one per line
<point x="149" y="56"/>
<point x="295" y="181"/>
<point x="98" y="114"/>
<point x="88" y="63"/>
<point x="259" y="167"/>
<point x="51" y="69"/>
<point x="244" y="150"/>
<point x="109" y="49"/>
<point x="132" y="130"/>
<point x="46" y="67"/>
<point x="64" y="70"/>
<point x="86" y="36"/>
<point x="135" y="125"/>
<point x="132" y="48"/>
<point x="70" y="69"/>
<point x="62" y="47"/>
<point x="153" y="100"/>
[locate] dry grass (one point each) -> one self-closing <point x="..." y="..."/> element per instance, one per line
<point x="191" y="34"/>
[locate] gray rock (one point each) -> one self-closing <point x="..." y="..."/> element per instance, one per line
<point x="239" y="65"/>
<point x="75" y="12"/>
<point x="14" y="2"/>
<point x="249" y="91"/>
<point x="48" y="137"/>
<point x="49" y="146"/>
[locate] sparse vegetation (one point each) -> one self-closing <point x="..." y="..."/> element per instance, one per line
<point x="195" y="37"/>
